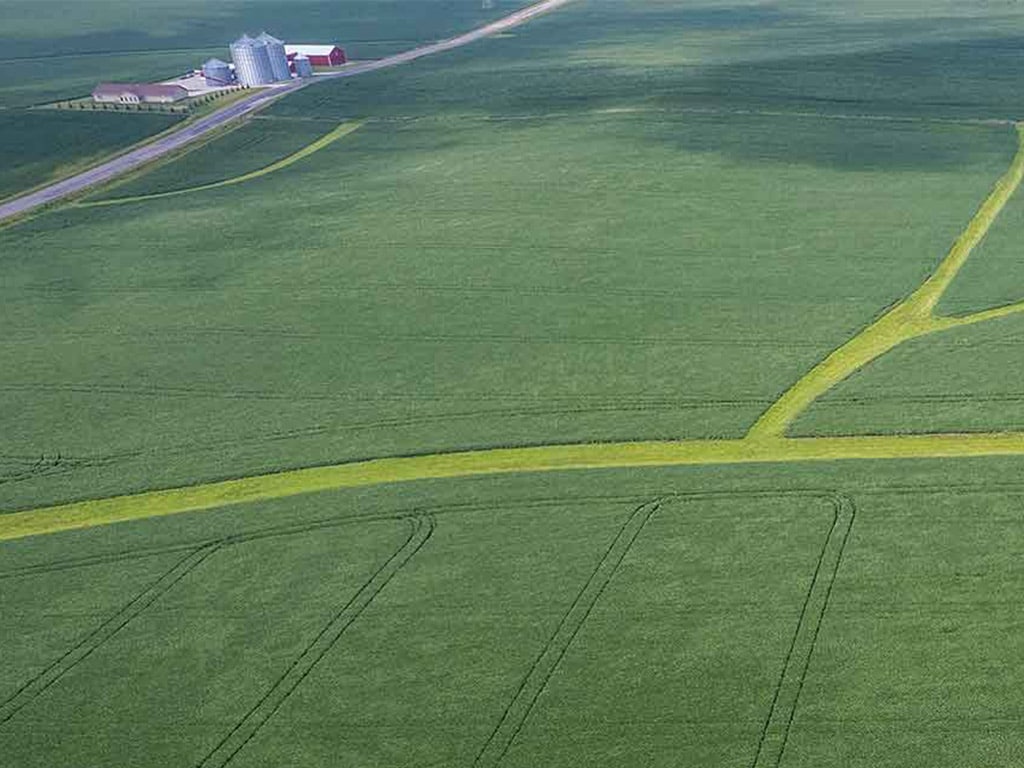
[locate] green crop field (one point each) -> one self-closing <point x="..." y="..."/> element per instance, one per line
<point x="247" y="149"/>
<point x="37" y="146"/>
<point x="666" y="320"/>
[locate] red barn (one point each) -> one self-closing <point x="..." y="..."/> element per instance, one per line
<point x="319" y="55"/>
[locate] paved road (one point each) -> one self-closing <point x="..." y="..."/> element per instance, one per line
<point x="174" y="141"/>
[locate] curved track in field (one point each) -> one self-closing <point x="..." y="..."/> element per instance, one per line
<point x="279" y="165"/>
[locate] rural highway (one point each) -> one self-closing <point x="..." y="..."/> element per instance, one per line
<point x="177" y="139"/>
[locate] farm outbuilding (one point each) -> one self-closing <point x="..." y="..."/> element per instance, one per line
<point x="218" y="73"/>
<point x="319" y="55"/>
<point x="137" y="93"/>
<point x="302" y="65"/>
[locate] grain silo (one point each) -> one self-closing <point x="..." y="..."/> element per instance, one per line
<point x="278" y="59"/>
<point x="252" y="64"/>
<point x="303" y="66"/>
<point x="218" y="73"/>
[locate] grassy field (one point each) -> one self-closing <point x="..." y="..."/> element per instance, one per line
<point x="604" y="617"/>
<point x="422" y="298"/>
<point x="622" y="222"/>
<point x="965" y="380"/>
<point x="996" y="276"/>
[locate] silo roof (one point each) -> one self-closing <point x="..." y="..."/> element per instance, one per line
<point x="244" y="40"/>
<point x="268" y="38"/>
<point x="215" y="63"/>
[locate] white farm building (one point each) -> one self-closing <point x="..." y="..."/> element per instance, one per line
<point x="137" y="93"/>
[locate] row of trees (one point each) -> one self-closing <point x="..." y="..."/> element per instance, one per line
<point x="173" y="109"/>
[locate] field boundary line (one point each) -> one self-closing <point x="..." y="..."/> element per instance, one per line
<point x="99" y="559"/>
<point x="775" y="732"/>
<point x="342" y="130"/>
<point x="533" y="684"/>
<point x="84" y="648"/>
<point x="234" y="741"/>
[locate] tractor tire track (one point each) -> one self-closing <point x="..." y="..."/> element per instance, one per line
<point x="197" y="553"/>
<point x="372" y="337"/>
<point x="404" y="513"/>
<point x="774" y="734"/>
<point x="519" y="707"/>
<point x="103" y="559"/>
<point x="53" y="672"/>
<point x="349" y="397"/>
<point x="235" y="740"/>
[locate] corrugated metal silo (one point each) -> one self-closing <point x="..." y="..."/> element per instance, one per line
<point x="218" y="73"/>
<point x="278" y="59"/>
<point x="303" y="66"/>
<point x="252" y="64"/>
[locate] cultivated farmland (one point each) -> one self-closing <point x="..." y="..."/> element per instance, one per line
<point x="37" y="146"/>
<point x="543" y="403"/>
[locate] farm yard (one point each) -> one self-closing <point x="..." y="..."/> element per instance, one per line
<point x="635" y="388"/>
<point x="52" y="52"/>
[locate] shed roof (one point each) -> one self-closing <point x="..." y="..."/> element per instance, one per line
<point x="142" y="90"/>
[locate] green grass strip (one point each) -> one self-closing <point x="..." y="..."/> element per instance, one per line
<point x="86" y="514"/>
<point x="324" y="141"/>
<point x="910" y="318"/>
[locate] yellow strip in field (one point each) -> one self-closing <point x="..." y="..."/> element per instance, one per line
<point x="86" y="514"/>
<point x="324" y="141"/>
<point x="987" y="314"/>
<point x="910" y="318"/>
<point x="765" y="443"/>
